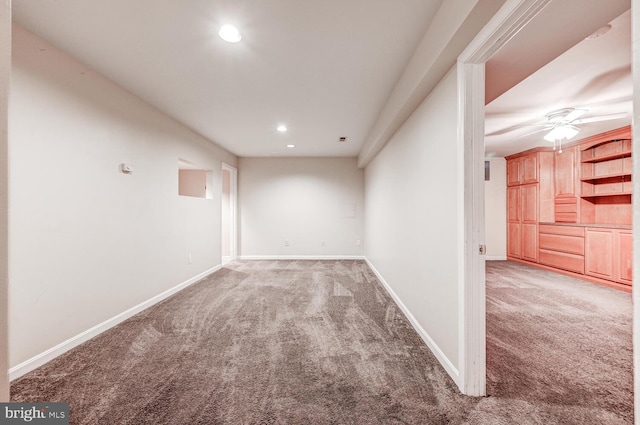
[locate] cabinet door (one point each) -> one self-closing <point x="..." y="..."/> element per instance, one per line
<point x="625" y="256"/>
<point x="529" y="235"/>
<point x="565" y="172"/>
<point x="546" y="191"/>
<point x="513" y="204"/>
<point x="599" y="255"/>
<point x="529" y="202"/>
<point x="514" y="242"/>
<point x="529" y="171"/>
<point x="513" y="171"/>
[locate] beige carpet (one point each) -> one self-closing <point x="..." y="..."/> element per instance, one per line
<point x="320" y="342"/>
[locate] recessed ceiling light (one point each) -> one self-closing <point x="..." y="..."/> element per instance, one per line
<point x="282" y="128"/>
<point x="229" y="33"/>
<point x="291" y="146"/>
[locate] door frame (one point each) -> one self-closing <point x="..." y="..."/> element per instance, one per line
<point x="233" y="209"/>
<point x="511" y="17"/>
<point x="635" y="65"/>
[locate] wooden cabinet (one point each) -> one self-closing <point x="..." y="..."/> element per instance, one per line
<point x="566" y="185"/>
<point x="571" y="212"/>
<point x="529" y="200"/>
<point x="565" y="173"/>
<point x="513" y="172"/>
<point x="513" y="204"/>
<point x="523" y="170"/>
<point x="514" y="241"/>
<point x="522" y="222"/>
<point x="529" y="222"/>
<point x="529" y="236"/>
<point x="562" y="247"/>
<point x="624" y="244"/>
<point x="599" y="254"/>
<point x="514" y="221"/>
<point x="529" y="173"/>
<point x="609" y="254"/>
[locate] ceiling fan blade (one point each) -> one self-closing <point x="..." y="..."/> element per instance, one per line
<point x="601" y="118"/>
<point x="575" y="114"/>
<point x="540" y="130"/>
<point x="514" y="128"/>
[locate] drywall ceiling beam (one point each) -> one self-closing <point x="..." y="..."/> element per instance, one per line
<point x="452" y="29"/>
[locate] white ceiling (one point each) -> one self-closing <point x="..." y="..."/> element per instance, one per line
<point x="324" y="68"/>
<point x="593" y="74"/>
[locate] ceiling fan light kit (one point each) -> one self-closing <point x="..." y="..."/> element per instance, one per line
<point x="563" y="123"/>
<point x="560" y="132"/>
<point x="560" y="121"/>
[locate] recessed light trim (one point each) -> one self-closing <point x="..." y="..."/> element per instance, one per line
<point x="291" y="146"/>
<point x="230" y="34"/>
<point x="282" y="128"/>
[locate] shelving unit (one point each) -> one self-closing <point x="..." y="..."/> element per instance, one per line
<point x="606" y="182"/>
<point x="583" y="201"/>
<point x="616" y="155"/>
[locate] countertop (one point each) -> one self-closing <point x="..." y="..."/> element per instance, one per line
<point x="606" y="226"/>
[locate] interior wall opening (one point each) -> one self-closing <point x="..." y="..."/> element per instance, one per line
<point x="606" y="87"/>
<point x="194" y="181"/>
<point x="228" y="214"/>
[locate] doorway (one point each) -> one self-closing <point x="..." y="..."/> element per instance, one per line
<point x="509" y="21"/>
<point x="228" y="214"/>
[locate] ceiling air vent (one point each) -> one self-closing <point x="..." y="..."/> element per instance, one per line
<point x="342" y="139"/>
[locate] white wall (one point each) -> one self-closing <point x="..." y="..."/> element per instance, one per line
<point x="495" y="210"/>
<point x="302" y="200"/>
<point x="5" y="72"/>
<point x="413" y="223"/>
<point x="88" y="242"/>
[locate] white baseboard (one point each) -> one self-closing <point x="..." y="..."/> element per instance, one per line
<point x="496" y="258"/>
<point x="50" y="354"/>
<point x="301" y="257"/>
<point x="442" y="358"/>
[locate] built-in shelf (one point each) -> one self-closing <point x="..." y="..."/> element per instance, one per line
<point x="606" y="180"/>
<point x="617" y="177"/>
<point x="603" y="195"/>
<point x="616" y="155"/>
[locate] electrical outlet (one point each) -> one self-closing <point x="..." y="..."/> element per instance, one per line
<point x="286" y="242"/>
<point x="322" y="243"/>
<point x="189" y="258"/>
<point x="357" y="242"/>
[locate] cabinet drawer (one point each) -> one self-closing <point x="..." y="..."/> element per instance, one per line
<point x="566" y="217"/>
<point x="563" y="243"/>
<point x="562" y="260"/>
<point x="562" y="230"/>
<point x="566" y="200"/>
<point x="566" y="208"/>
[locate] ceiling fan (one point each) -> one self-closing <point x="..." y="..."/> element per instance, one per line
<point x="562" y="124"/>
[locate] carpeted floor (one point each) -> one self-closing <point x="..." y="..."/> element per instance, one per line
<point x="559" y="350"/>
<point x="320" y="342"/>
